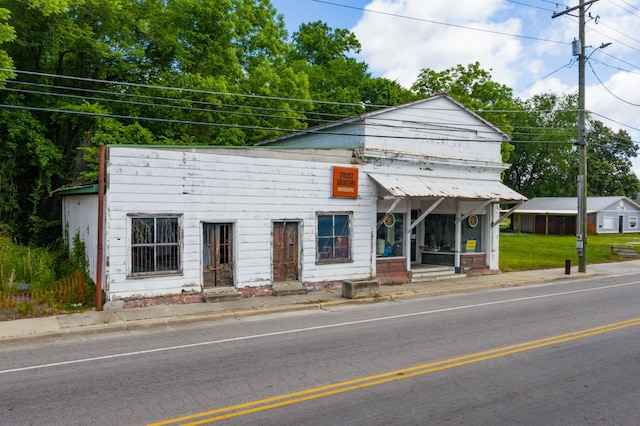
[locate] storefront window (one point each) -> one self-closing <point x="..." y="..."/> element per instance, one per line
<point x="390" y="237"/>
<point x="440" y="233"/>
<point x="472" y="234"/>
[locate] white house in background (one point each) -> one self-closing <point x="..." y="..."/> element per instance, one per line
<point x="379" y="196"/>
<point x="558" y="215"/>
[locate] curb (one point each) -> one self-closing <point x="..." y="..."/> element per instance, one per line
<point x="457" y="287"/>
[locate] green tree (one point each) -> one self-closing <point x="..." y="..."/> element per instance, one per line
<point x="343" y="84"/>
<point x="181" y="63"/>
<point x="544" y="160"/>
<point x="7" y="34"/>
<point x="212" y="50"/>
<point x="28" y="161"/>
<point x="609" y="162"/>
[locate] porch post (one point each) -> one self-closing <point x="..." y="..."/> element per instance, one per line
<point x="458" y="244"/>
<point x="407" y="240"/>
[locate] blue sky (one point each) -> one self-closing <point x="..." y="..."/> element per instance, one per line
<point x="302" y="11"/>
<point x="519" y="41"/>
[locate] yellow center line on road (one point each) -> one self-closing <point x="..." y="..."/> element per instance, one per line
<point x="390" y="376"/>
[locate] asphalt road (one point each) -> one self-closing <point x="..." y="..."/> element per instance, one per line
<point x="555" y="354"/>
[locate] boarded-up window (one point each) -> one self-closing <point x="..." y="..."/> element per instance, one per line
<point x="607" y="222"/>
<point x="155" y="244"/>
<point x="334" y="238"/>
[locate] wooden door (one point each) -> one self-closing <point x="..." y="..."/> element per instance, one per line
<point x="217" y="255"/>
<point x="285" y="251"/>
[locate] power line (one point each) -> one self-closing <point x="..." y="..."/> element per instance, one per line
<point x="438" y="129"/>
<point x="364" y="9"/>
<point x="237" y="126"/>
<point x="198" y="91"/>
<point x="530" y="5"/>
<point x="158" y="98"/>
<point x="121" y="93"/>
<point x="626" y="10"/>
<point x="617" y="59"/>
<point x="182" y="89"/>
<point x="155" y="105"/>
<point x="545" y="77"/>
<point x="617" y="122"/>
<point x="435" y="126"/>
<point x="607" y="89"/>
<point x="618" y="32"/>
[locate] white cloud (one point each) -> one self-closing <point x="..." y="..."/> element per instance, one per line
<point x="398" y="48"/>
<point x="523" y="46"/>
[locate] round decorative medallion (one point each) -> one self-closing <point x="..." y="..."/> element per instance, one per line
<point x="473" y="221"/>
<point x="389" y="220"/>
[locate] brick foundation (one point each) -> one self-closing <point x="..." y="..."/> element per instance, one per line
<point x="476" y="272"/>
<point x="262" y="291"/>
<point x="324" y="285"/>
<point x="177" y="299"/>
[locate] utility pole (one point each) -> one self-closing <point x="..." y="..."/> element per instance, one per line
<point x="581" y="231"/>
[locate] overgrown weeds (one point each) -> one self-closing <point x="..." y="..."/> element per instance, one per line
<point x="37" y="282"/>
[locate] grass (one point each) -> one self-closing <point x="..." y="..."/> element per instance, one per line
<point x="519" y="252"/>
<point x="36" y="281"/>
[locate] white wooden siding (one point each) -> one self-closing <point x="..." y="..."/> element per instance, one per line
<point x="249" y="192"/>
<point x="435" y="128"/>
<point x="80" y="216"/>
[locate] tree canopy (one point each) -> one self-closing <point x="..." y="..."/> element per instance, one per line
<point x="344" y="84"/>
<point x="77" y="74"/>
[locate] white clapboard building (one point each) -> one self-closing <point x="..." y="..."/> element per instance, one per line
<point x="382" y="196"/>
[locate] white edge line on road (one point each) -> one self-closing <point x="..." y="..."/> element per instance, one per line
<point x="306" y="329"/>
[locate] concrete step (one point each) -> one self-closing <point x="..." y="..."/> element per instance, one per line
<point x="626" y="252"/>
<point x="432" y="273"/>
<point x="355" y="289"/>
<point x="289" y="289"/>
<point x="220" y="294"/>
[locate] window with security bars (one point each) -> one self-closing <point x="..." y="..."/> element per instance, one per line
<point x="155" y="244"/>
<point x="334" y="238"/>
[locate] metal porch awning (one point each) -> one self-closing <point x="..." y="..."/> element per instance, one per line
<point x="423" y="186"/>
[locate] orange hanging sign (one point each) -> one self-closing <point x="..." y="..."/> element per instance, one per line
<point x="345" y="182"/>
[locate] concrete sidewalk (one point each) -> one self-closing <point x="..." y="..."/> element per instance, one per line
<point x="136" y="318"/>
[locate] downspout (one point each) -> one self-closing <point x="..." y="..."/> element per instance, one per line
<point x="100" y="228"/>
<point x="458" y="243"/>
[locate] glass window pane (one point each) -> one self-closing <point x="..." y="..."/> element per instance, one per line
<point x="342" y="248"/>
<point x="142" y="231"/>
<point x="325" y="248"/>
<point x="342" y="225"/>
<point x="167" y="258"/>
<point x="167" y="230"/>
<point x="142" y="259"/>
<point x="390" y="235"/>
<point x="325" y="226"/>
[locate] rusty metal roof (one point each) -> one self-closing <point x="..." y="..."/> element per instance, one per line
<point x="423" y="186"/>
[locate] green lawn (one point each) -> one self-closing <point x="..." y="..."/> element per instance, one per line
<point x="520" y="252"/>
